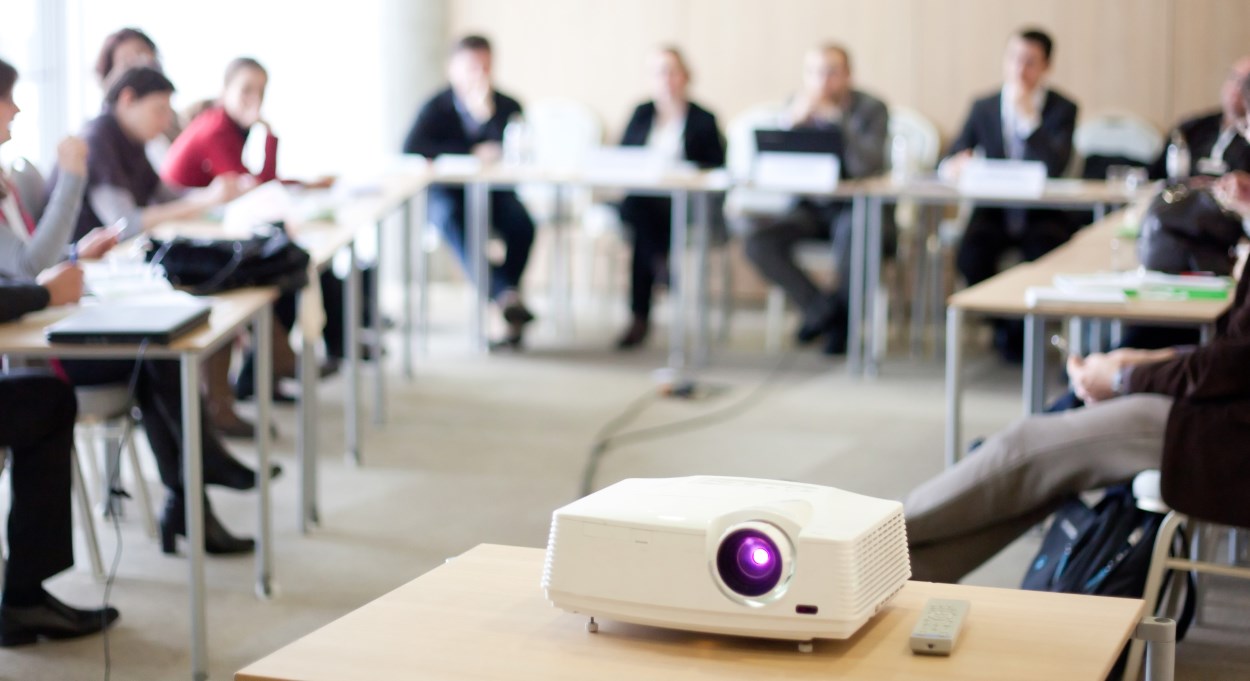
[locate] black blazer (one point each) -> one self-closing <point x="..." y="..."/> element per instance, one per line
<point x="1051" y="143"/>
<point x="1200" y="135"/>
<point x="439" y="130"/>
<point x="704" y="145"/>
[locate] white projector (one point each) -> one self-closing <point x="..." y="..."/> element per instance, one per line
<point x="723" y="555"/>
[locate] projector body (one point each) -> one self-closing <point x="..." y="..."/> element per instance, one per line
<point x="728" y="555"/>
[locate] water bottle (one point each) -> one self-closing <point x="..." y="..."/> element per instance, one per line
<point x="1178" y="159"/>
<point x="900" y="160"/>
<point x="514" y="142"/>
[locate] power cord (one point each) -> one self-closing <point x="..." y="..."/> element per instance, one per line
<point x="115" y="495"/>
<point x="610" y="437"/>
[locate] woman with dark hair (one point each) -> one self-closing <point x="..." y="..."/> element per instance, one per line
<point x="122" y="185"/>
<point x="679" y="130"/>
<point x="123" y="50"/>
<point x="30" y="244"/>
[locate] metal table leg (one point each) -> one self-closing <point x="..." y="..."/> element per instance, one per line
<point x="1034" y="364"/>
<point x="701" y="245"/>
<point x="306" y="434"/>
<point x="677" y="292"/>
<point x="375" y="313"/>
<point x="855" y="316"/>
<point x="263" y="323"/>
<point x="351" y="401"/>
<point x="193" y="491"/>
<point x="477" y="207"/>
<point x="872" y="284"/>
<point x="405" y="260"/>
<point x="954" y="385"/>
<point x="423" y="274"/>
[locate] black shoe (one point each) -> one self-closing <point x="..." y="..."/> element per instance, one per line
<point x="634" y="336"/>
<point x="230" y="472"/>
<point x="513" y="341"/>
<point x="217" y="540"/>
<point x="50" y="619"/>
<point x="835" y="342"/>
<point x="833" y="318"/>
<point x="517" y="315"/>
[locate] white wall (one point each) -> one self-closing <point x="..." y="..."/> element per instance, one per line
<point x="345" y="77"/>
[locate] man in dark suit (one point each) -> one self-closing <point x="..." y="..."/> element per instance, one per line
<point x="1215" y="148"/>
<point x="828" y="100"/>
<point x="469" y="118"/>
<point x="1027" y="120"/>
<point x="37" y="413"/>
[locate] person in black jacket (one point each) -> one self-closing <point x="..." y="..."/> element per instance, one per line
<point x="676" y="128"/>
<point x="1026" y="120"/>
<point x="469" y="118"/>
<point x="37" y="413"/>
<point x="1215" y="148"/>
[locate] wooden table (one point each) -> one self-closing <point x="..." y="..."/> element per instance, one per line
<point x="231" y="312"/>
<point x="1096" y="248"/>
<point x="483" y="616"/>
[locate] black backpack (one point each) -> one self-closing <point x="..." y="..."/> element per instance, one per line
<point x="1105" y="551"/>
<point x="208" y="266"/>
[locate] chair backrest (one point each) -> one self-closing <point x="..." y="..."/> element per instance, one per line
<point x="1122" y="135"/>
<point x="562" y="131"/>
<point x="924" y="144"/>
<point x="30" y="187"/>
<point x="741" y="151"/>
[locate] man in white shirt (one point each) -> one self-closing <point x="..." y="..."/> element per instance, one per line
<point x="1026" y="120"/>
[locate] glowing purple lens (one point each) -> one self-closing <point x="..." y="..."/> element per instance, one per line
<point x="749" y="562"/>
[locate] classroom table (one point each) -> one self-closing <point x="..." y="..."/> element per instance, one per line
<point x="1059" y="194"/>
<point x="1097" y="248"/>
<point x="483" y="616"/>
<point x="231" y="313"/>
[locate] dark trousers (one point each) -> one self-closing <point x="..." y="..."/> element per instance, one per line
<point x="510" y="221"/>
<point x="651" y="218"/>
<point x="159" y="393"/>
<point x="987" y="238"/>
<point x="37" y="413"/>
<point x="333" y="291"/>
<point x="771" y="249"/>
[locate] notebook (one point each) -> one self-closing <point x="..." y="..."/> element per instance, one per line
<point x="129" y="323"/>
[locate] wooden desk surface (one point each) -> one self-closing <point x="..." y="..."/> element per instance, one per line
<point x="505" y="175"/>
<point x="1059" y="192"/>
<point x="231" y="310"/>
<point x="1093" y="249"/>
<point x="483" y="616"/>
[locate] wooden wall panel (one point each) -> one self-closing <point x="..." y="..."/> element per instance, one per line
<point x="1208" y="35"/>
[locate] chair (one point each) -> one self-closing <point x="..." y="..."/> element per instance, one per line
<point x="913" y="132"/>
<point x="109" y="406"/>
<point x="1115" y="138"/>
<point x="30" y="187"/>
<point x="1146" y="490"/>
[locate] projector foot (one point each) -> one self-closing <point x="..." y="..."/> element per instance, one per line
<point x="592" y="626"/>
<point x="806" y="647"/>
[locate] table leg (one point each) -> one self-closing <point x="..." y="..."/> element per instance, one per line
<point x="306" y="433"/>
<point x="954" y="385"/>
<point x="855" y="316"/>
<point x="560" y="293"/>
<point x="477" y="208"/>
<point x="872" y="285"/>
<point x="701" y="245"/>
<point x="375" y="313"/>
<point x="1100" y="211"/>
<point x="193" y="491"/>
<point x="351" y="402"/>
<point x="405" y="260"/>
<point x="677" y="284"/>
<point x="423" y="274"/>
<point x="263" y="323"/>
<point x="1034" y="364"/>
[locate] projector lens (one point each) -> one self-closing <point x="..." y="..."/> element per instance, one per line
<point x="749" y="562"/>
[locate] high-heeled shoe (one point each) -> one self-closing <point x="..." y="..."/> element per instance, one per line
<point x="217" y="540"/>
<point x="230" y="472"/>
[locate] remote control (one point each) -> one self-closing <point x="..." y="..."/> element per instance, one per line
<point x="938" y="626"/>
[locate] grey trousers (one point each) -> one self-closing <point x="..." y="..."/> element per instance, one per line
<point x="971" y="511"/>
<point x="771" y="249"/>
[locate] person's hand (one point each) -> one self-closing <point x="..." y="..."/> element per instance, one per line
<point x="1233" y="191"/>
<point x="71" y="156"/>
<point x="951" y="168"/>
<point x="97" y="242"/>
<point x="488" y="152"/>
<point x="1092" y="377"/>
<point x="480" y="101"/>
<point x="63" y="282"/>
<point x="324" y="182"/>
<point x="223" y="189"/>
<point x="803" y="109"/>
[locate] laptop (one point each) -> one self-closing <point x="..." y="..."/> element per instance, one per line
<point x="804" y="141"/>
<point x="129" y="323"/>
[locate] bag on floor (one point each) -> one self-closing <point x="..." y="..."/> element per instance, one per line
<point x="1104" y="551"/>
<point x="213" y="265"/>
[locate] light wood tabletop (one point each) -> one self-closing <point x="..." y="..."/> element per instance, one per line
<point x="484" y="616"/>
<point x="1057" y="193"/>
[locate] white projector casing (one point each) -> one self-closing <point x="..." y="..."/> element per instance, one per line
<point x="646" y="551"/>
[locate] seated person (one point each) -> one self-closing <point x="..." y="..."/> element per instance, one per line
<point x="828" y="100"/>
<point x="125" y="49"/>
<point x="121" y="184"/>
<point x="1215" y="148"/>
<point x="469" y="118"/>
<point x="28" y="248"/>
<point x="1027" y="120"/>
<point x="211" y="146"/>
<point x="672" y="126"/>
<point x="37" y="414"/>
<point x="1184" y="410"/>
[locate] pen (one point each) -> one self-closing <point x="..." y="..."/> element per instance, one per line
<point x="73" y="254"/>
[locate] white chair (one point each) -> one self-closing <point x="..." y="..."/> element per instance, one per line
<point x="1149" y="498"/>
<point x="1118" y="135"/>
<point x="108" y="408"/>
<point x="918" y="245"/>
